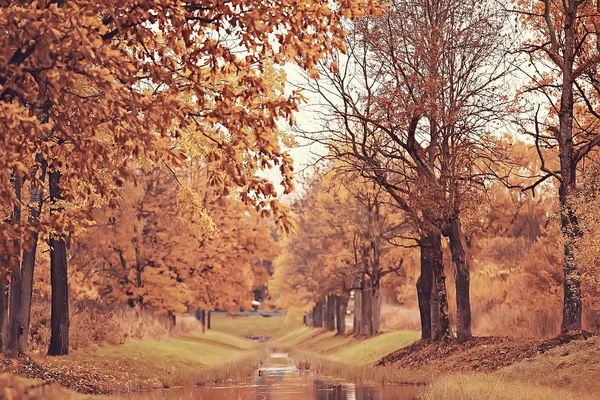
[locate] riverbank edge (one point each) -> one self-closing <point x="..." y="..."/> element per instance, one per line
<point x="55" y="386"/>
<point x="324" y="365"/>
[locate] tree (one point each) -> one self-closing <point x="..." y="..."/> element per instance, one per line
<point x="564" y="50"/>
<point x="90" y="100"/>
<point x="342" y="243"/>
<point x="409" y="109"/>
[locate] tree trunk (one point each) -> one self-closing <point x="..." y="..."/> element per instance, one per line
<point x="319" y="314"/>
<point x="367" y="307"/>
<point x="572" y="305"/>
<point x="203" y="320"/>
<point x="376" y="307"/>
<point x="463" y="302"/>
<point x="12" y="348"/>
<point x="27" y="268"/>
<point x="59" y="319"/>
<point x="330" y="315"/>
<point x="340" y="318"/>
<point x="3" y="317"/>
<point x="208" y="320"/>
<point x="357" y="325"/>
<point x="424" y="288"/>
<point x="439" y="294"/>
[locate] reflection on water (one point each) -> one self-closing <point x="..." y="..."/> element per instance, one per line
<point x="285" y="385"/>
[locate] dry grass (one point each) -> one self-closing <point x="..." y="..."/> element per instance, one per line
<point x="325" y="366"/>
<point x="151" y="364"/>
<point x="571" y="371"/>
<point x="575" y="366"/>
<point x="494" y="387"/>
<point x="253" y="325"/>
<point x="347" y="349"/>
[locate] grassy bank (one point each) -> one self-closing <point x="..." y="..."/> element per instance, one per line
<point x="192" y="360"/>
<point x="569" y="371"/>
<point x="346" y="348"/>
<point x="253" y="325"/>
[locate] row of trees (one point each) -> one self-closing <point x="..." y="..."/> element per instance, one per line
<point x="92" y="91"/>
<point x="418" y="106"/>
<point x="343" y="243"/>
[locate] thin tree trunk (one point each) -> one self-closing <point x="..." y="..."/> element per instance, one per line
<point x="439" y="294"/>
<point x="203" y="320"/>
<point x="572" y="305"/>
<point x="340" y="318"/>
<point x="357" y="325"/>
<point x="59" y="319"/>
<point x="424" y="288"/>
<point x="27" y="268"/>
<point x="208" y="320"/>
<point x="330" y="315"/>
<point x="367" y="307"/>
<point x="3" y="317"/>
<point x="12" y="348"/>
<point x="463" y="302"/>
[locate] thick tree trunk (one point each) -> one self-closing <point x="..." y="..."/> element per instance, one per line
<point x="330" y="315"/>
<point x="59" y="319"/>
<point x="439" y="295"/>
<point x="357" y="324"/>
<point x="367" y="307"/>
<point x="340" y="317"/>
<point x="463" y="302"/>
<point x="376" y="308"/>
<point x="424" y="288"/>
<point x="12" y="348"/>
<point x="27" y="269"/>
<point x="319" y="314"/>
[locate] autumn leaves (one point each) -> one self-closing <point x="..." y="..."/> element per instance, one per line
<point x="96" y="94"/>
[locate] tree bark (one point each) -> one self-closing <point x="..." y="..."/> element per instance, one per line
<point x="59" y="319"/>
<point x="12" y="348"/>
<point x="367" y="307"/>
<point x="572" y="304"/>
<point x="340" y="318"/>
<point x="463" y="302"/>
<point x="330" y="315"/>
<point x="208" y="320"/>
<point x="27" y="268"/>
<point x="203" y="320"/>
<point x="424" y="288"/>
<point x="318" y="314"/>
<point x="439" y="294"/>
<point x="3" y="317"/>
<point x="357" y="324"/>
<point x="376" y="307"/>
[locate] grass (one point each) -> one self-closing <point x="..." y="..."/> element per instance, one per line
<point x="346" y="349"/>
<point x="155" y="364"/>
<point x="324" y="365"/>
<point x="252" y="325"/>
<point x="571" y="371"/>
<point x="494" y="387"/>
<point x="346" y="356"/>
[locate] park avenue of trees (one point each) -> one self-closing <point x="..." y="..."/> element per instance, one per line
<point x="461" y="143"/>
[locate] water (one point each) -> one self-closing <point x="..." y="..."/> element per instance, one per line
<point x="284" y="382"/>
